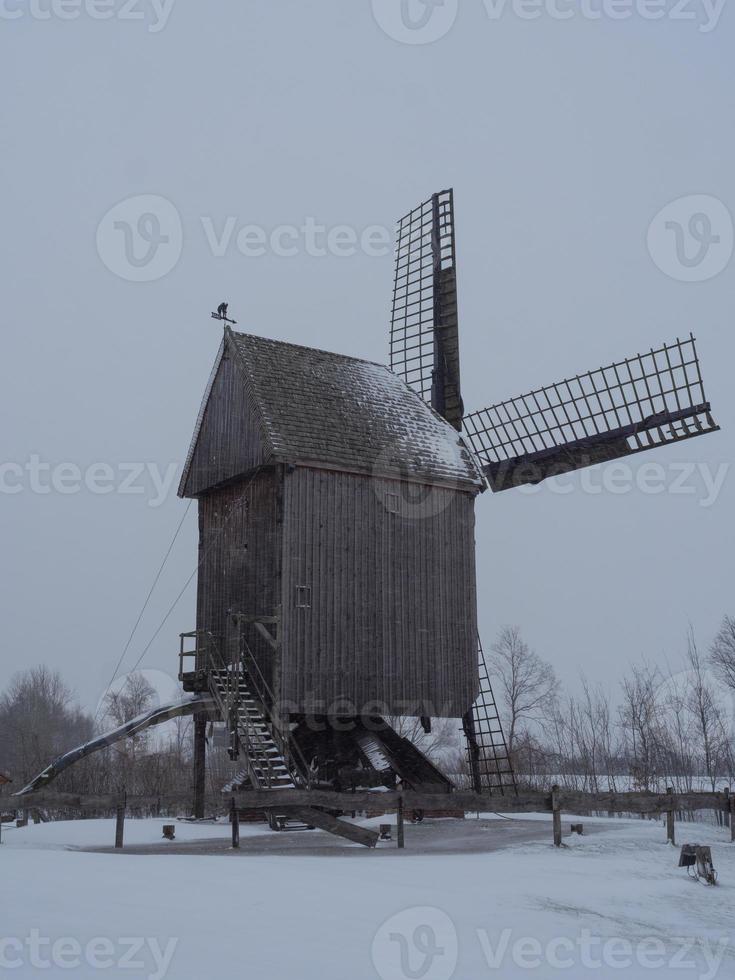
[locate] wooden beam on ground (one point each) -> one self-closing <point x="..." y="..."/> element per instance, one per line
<point x="325" y="821"/>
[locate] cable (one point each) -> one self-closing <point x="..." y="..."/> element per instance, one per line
<point x="173" y="605"/>
<point x="145" y="605"/>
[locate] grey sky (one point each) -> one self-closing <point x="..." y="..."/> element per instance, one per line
<point x="562" y="139"/>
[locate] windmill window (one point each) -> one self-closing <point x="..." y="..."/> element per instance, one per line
<point x="391" y="503"/>
<point x="303" y="597"/>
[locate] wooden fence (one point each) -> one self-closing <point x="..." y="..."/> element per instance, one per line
<point x="555" y="803"/>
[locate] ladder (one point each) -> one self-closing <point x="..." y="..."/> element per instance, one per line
<point x="490" y="763"/>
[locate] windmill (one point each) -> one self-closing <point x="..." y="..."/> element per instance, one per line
<point x="336" y="577"/>
<point x="639" y="403"/>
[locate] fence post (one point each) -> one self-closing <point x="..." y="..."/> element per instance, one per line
<point x="726" y="815"/>
<point x="556" y="815"/>
<point x="120" y="822"/>
<point x="235" y="819"/>
<point x="732" y="819"/>
<point x="399" y="835"/>
<point x="670" y="835"/>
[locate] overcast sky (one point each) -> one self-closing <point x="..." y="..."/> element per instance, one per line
<point x="563" y="139"/>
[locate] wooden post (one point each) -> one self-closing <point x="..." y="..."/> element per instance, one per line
<point x="726" y="816"/>
<point x="200" y="763"/>
<point x="732" y="819"/>
<point x="400" y="836"/>
<point x="670" y="835"/>
<point x="556" y="815"/>
<point x="120" y="823"/>
<point x="235" y="818"/>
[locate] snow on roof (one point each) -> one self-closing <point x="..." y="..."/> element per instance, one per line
<point x="321" y="407"/>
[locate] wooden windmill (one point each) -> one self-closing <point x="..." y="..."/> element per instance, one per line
<point x="336" y="514"/>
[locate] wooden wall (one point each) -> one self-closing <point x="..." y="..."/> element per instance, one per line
<point x="239" y="554"/>
<point x="230" y="440"/>
<point x="393" y="611"/>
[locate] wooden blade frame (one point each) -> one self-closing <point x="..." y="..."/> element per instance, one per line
<point x="642" y="402"/>
<point x="424" y="341"/>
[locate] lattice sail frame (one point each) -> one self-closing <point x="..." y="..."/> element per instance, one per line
<point x="627" y="407"/>
<point x="424" y="341"/>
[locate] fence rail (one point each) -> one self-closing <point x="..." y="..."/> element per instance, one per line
<point x="554" y="803"/>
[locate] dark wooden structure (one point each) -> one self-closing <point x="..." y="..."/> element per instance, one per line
<point x="335" y="503"/>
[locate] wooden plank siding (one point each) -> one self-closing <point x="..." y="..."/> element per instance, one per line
<point x="392" y="621"/>
<point x="239" y="552"/>
<point x="231" y="440"/>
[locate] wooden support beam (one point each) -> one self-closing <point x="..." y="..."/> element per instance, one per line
<point x="266" y="634"/>
<point x="556" y="815"/>
<point x="200" y="764"/>
<point x="400" y="830"/>
<point x="235" y="818"/>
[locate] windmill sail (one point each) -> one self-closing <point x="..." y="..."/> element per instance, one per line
<point x="424" y="342"/>
<point x="636" y="404"/>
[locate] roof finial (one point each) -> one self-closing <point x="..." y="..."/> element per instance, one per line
<point x="221" y="314"/>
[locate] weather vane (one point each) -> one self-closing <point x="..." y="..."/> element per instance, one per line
<point x="221" y="314"/>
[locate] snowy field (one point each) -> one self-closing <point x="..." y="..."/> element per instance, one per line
<point x="610" y="904"/>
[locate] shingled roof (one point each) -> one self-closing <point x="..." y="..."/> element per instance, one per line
<point x="320" y="408"/>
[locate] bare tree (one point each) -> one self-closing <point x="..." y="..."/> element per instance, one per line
<point x="707" y="716"/>
<point x="39" y="720"/>
<point x="132" y="699"/>
<point x="642" y="725"/>
<point x="528" y="684"/>
<point x="722" y="651"/>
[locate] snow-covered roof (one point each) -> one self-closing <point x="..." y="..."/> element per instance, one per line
<point x="326" y="409"/>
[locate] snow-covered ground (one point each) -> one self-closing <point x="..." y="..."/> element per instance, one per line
<point x="609" y="904"/>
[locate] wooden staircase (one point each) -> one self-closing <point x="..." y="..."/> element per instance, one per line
<point x="254" y="734"/>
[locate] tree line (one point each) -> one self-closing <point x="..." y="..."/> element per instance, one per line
<point x="662" y="726"/>
<point x="670" y="725"/>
